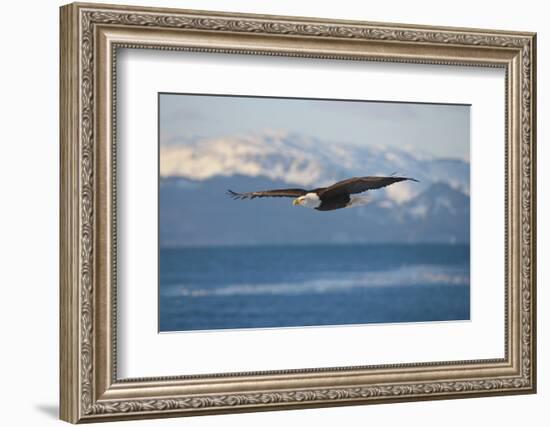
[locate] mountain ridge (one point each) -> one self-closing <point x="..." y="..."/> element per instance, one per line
<point x="199" y="213"/>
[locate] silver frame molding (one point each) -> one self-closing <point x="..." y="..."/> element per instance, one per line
<point x="90" y="37"/>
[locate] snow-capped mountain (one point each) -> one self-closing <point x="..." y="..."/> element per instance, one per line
<point x="299" y="160"/>
<point x="194" y="209"/>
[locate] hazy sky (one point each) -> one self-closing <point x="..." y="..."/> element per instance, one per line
<point x="437" y="129"/>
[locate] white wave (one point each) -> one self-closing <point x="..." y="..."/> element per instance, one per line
<point x="334" y="282"/>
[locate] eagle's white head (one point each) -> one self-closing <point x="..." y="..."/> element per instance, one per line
<point x="309" y="200"/>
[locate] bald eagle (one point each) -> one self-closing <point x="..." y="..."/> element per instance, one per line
<point x="337" y="196"/>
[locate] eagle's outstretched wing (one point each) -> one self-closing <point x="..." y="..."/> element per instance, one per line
<point x="286" y="192"/>
<point x="360" y="184"/>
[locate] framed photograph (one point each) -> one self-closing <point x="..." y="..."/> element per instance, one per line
<point x="267" y="212"/>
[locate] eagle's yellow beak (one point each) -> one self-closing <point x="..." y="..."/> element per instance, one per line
<point x="296" y="202"/>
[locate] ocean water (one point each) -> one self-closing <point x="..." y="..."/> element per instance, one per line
<point x="279" y="286"/>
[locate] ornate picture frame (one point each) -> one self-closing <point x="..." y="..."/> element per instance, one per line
<point x="90" y="37"/>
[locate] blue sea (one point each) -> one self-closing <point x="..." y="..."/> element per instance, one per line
<point x="279" y="286"/>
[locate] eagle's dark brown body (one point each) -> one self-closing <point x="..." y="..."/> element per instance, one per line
<point x="332" y="203"/>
